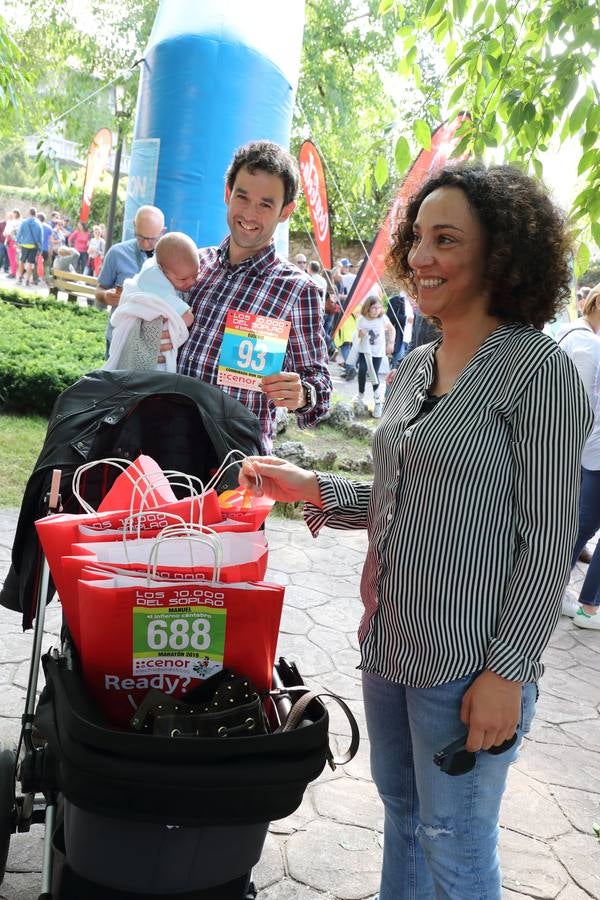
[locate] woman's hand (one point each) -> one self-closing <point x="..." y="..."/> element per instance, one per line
<point x="279" y="480"/>
<point x="491" y="710"/>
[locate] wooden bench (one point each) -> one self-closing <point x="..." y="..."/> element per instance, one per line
<point x="74" y="284"/>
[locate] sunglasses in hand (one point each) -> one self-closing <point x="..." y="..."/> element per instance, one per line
<point x="455" y="759"/>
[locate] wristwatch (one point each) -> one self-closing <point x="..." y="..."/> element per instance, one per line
<point x="310" y="393"/>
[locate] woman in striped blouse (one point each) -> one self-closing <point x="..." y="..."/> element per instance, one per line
<point x="471" y="516"/>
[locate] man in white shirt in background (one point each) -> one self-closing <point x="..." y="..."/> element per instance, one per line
<point x="346" y="275"/>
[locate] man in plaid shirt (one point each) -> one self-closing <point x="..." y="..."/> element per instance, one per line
<point x="244" y="273"/>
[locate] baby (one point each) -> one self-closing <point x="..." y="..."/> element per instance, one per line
<point x="150" y="302"/>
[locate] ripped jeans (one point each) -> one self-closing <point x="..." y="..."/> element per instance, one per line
<point x="440" y="831"/>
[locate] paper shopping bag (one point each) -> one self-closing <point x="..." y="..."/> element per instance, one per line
<point x="243" y="557"/>
<point x="141" y="485"/>
<point x="57" y="533"/>
<point x="136" y="635"/>
<point x="243" y="506"/>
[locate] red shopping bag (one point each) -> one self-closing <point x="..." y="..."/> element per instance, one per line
<point x="243" y="558"/>
<point x="141" y="485"/>
<point x="138" y="634"/>
<point x="59" y="532"/>
<point x="243" y="506"/>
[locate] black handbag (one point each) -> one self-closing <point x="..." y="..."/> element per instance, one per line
<point x="226" y="704"/>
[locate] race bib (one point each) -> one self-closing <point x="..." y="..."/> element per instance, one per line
<point x="253" y="346"/>
<point x="188" y="641"/>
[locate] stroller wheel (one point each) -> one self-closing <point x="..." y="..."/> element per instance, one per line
<point x="8" y="759"/>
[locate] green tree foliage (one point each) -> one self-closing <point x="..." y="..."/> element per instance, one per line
<point x="524" y="71"/>
<point x="13" y="80"/>
<point x="344" y="107"/>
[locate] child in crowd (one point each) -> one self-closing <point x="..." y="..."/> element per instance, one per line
<point x="150" y="302"/>
<point x="95" y="252"/>
<point x="376" y="339"/>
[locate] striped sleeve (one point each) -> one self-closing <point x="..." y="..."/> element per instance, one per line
<point x="345" y="504"/>
<point x="549" y="425"/>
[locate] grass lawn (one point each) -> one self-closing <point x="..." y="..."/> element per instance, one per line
<point x="21" y="439"/>
<point x="22" y="436"/>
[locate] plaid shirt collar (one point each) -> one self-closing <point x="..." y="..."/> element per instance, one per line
<point x="256" y="264"/>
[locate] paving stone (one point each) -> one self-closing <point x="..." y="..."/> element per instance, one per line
<point x="353" y="638"/>
<point x="269" y="869"/>
<point x="547" y="764"/>
<point x="557" y="659"/>
<point x="345" y="686"/>
<point x="528" y="866"/>
<point x="21" y="886"/>
<point x="294" y="621"/>
<point x="329" y="639"/>
<point x="360" y="766"/>
<point x="580" y="855"/>
<point x="511" y="895"/>
<point x="542" y="733"/>
<point x="586" y="638"/>
<point x="335" y="561"/>
<point x="289" y="559"/>
<point x="528" y="807"/>
<point x="586" y="733"/>
<point x="568" y="687"/>
<point x="587" y="676"/>
<point x="10" y="621"/>
<point x="302" y="597"/>
<point x="305" y="813"/>
<point x="291" y="890"/>
<point x="557" y="711"/>
<point x="310" y="658"/>
<point x="278" y="577"/>
<point x="572" y="892"/>
<point x="13" y="702"/>
<point x="580" y="807"/>
<point x="21" y="676"/>
<point x="14" y="647"/>
<point x="587" y="656"/>
<point x="10" y="731"/>
<point x="347" y="660"/>
<point x="341" y="614"/>
<point x="344" y="860"/>
<point x="563" y="638"/>
<point x="25" y="854"/>
<point x="319" y="581"/>
<point x="7" y="673"/>
<point x="349" y="802"/>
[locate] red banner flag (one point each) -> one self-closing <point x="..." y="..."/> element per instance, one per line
<point x="97" y="159"/>
<point x="427" y="163"/>
<point x="315" y="191"/>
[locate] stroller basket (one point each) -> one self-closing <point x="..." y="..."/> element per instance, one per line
<point x="186" y="780"/>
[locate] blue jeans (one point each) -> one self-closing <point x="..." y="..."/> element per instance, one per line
<point x="362" y="371"/>
<point x="589" y="523"/>
<point x="440" y="831"/>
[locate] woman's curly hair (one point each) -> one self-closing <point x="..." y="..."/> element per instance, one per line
<point x="528" y="267"/>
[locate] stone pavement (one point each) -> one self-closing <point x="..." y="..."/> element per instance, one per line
<point x="330" y="849"/>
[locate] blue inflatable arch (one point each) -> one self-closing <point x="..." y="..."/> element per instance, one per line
<point x="216" y="74"/>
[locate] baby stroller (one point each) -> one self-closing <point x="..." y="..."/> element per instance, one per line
<point x="132" y="814"/>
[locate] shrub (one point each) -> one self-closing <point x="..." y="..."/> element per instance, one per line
<point x="45" y="346"/>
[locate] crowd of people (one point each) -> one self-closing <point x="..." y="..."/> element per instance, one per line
<point x="31" y="243"/>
